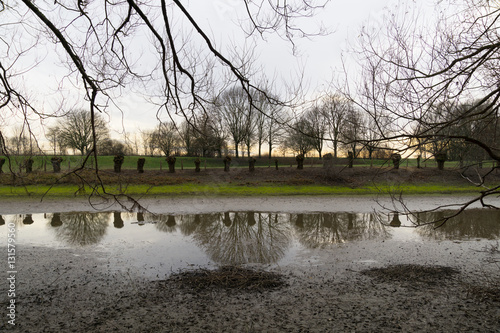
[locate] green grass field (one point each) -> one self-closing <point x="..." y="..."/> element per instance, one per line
<point x="43" y="181"/>
<point x="157" y="162"/>
<point x="211" y="190"/>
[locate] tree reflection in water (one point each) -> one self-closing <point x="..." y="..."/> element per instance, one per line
<point x="395" y="222"/>
<point x="196" y="223"/>
<point x="249" y="237"/>
<point x="117" y="220"/>
<point x="323" y="229"/>
<point x="163" y="223"/>
<point x="474" y="223"/>
<point x="241" y="237"/>
<point x="56" y="221"/>
<point x="82" y="228"/>
<point x="140" y="217"/>
<point x="18" y="219"/>
<point x="28" y="219"/>
<point x="166" y="223"/>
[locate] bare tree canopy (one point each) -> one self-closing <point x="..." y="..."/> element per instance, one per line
<point x="435" y="82"/>
<point x="111" y="47"/>
<point x="428" y="83"/>
<point x="238" y="116"/>
<point x="78" y="130"/>
<point x="411" y="70"/>
<point x="105" y="50"/>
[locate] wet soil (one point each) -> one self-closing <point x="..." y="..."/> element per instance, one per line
<point x="374" y="286"/>
<point x="286" y="175"/>
<point x="72" y="291"/>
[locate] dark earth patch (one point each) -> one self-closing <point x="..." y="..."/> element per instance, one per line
<point x="411" y="273"/>
<point x="227" y="277"/>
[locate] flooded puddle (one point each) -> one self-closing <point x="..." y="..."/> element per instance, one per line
<point x="158" y="244"/>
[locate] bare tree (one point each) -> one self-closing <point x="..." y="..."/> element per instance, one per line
<point x="210" y="135"/>
<point x="353" y="129"/>
<point x="19" y="143"/>
<point x="187" y="136"/>
<point x="238" y="115"/>
<point x="55" y="141"/>
<point x="416" y="73"/>
<point x="80" y="130"/>
<point x="148" y="142"/>
<point x="260" y="131"/>
<point x="316" y="128"/>
<point x="131" y="143"/>
<point x="250" y="135"/>
<point x="177" y="65"/>
<point x="275" y="126"/>
<point x="166" y="138"/>
<point x="268" y="121"/>
<point x="269" y="118"/>
<point x="299" y="140"/>
<point x="335" y="108"/>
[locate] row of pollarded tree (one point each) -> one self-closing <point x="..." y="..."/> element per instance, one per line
<point x="234" y="120"/>
<point x="328" y="162"/>
<point x="247" y="123"/>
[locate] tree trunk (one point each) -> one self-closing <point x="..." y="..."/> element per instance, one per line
<point x="140" y="165"/>
<point x="300" y="161"/>
<point x="197" y="163"/>
<point x="118" y="160"/>
<point x="251" y="164"/>
<point x="171" y="164"/>
<point x="56" y="164"/>
<point x="29" y="165"/>
<point x="396" y="159"/>
<point x="227" y="163"/>
<point x="440" y="159"/>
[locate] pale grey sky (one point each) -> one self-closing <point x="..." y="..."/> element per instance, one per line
<point x="318" y="57"/>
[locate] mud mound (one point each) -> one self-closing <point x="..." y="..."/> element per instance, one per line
<point x="228" y="277"/>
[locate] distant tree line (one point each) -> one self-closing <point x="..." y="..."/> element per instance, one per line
<point x="235" y="125"/>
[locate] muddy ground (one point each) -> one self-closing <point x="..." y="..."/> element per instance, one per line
<point x="354" y="287"/>
<point x="285" y="175"/>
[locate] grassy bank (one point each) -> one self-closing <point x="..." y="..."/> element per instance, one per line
<point x="231" y="190"/>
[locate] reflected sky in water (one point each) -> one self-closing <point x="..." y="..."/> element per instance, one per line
<point x="178" y="241"/>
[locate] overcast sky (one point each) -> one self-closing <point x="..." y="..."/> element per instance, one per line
<point x="318" y="57"/>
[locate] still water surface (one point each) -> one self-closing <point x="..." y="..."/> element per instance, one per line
<point x="169" y="242"/>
